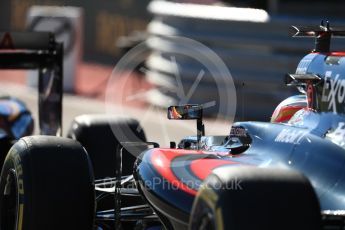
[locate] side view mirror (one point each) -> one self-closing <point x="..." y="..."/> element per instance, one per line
<point x="188" y="112"/>
<point x="185" y="112"/>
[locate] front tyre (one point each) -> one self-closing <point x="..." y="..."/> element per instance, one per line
<point x="241" y="198"/>
<point x="47" y="183"/>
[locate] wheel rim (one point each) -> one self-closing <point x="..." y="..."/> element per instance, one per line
<point x="10" y="200"/>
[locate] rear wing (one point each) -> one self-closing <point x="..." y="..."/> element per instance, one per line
<point x="321" y="33"/>
<point x="26" y="40"/>
<point x="38" y="50"/>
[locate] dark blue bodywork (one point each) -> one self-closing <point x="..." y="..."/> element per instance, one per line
<point x="312" y="142"/>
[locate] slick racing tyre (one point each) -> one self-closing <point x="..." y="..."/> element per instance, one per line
<point x="255" y="198"/>
<point x="96" y="133"/>
<point x="47" y="183"/>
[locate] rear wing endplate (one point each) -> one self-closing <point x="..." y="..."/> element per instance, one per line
<point x="38" y="50"/>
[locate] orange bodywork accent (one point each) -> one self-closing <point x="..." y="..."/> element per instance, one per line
<point x="201" y="168"/>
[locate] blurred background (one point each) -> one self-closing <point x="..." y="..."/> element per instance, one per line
<point x="250" y="36"/>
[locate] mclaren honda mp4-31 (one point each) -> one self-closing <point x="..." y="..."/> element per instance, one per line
<point x="288" y="173"/>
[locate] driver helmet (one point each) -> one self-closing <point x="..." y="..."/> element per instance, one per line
<point x="15" y="119"/>
<point x="174" y="113"/>
<point x="287" y="108"/>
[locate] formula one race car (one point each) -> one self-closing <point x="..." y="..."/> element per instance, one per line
<point x="40" y="172"/>
<point x="286" y="174"/>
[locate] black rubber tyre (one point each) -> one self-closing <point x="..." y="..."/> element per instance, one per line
<point x="255" y="198"/>
<point x="96" y="133"/>
<point x="47" y="183"/>
<point x="5" y="145"/>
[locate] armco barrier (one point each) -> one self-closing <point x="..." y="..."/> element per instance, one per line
<point x="256" y="48"/>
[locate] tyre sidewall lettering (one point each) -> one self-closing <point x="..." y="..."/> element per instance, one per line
<point x="19" y="171"/>
<point x="20" y="186"/>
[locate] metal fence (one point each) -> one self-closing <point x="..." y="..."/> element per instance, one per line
<point x="256" y="48"/>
